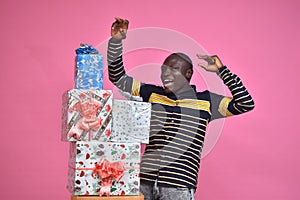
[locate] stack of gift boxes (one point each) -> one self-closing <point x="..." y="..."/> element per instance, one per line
<point x="105" y="135"/>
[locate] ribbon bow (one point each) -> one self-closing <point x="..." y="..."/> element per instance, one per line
<point x="88" y="110"/>
<point x="86" y="49"/>
<point x="107" y="171"/>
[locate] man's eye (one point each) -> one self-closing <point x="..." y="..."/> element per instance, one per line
<point x="164" y="68"/>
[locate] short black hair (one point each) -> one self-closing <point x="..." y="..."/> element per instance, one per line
<point x="183" y="56"/>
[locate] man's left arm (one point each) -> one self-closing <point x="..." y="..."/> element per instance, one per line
<point x="223" y="106"/>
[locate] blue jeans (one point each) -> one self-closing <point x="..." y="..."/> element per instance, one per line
<point x="154" y="192"/>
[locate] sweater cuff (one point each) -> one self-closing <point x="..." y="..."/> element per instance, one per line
<point x="221" y="70"/>
<point x="114" y="40"/>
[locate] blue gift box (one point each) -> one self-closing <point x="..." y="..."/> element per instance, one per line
<point x="89" y="69"/>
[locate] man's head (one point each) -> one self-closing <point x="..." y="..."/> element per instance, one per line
<point x="176" y="72"/>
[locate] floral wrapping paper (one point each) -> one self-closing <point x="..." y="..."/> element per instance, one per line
<point x="131" y="121"/>
<point x="86" y="115"/>
<point x="89" y="71"/>
<point x="84" y="156"/>
<point x="80" y="197"/>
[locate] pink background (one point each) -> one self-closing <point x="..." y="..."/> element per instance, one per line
<point x="256" y="157"/>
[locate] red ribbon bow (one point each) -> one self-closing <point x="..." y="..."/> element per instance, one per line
<point x="88" y="110"/>
<point x="108" y="171"/>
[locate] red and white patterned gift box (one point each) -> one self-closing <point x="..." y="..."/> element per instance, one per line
<point x="86" y="115"/>
<point x="102" y="168"/>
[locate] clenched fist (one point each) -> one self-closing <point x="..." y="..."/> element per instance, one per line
<point x="119" y="28"/>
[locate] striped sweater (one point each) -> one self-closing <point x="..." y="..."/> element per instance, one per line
<point x="178" y="122"/>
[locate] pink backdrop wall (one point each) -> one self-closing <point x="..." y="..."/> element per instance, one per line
<point x="256" y="157"/>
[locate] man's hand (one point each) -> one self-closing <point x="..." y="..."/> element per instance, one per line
<point x="119" y="28"/>
<point x="213" y="63"/>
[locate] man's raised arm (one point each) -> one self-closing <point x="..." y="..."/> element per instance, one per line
<point x="240" y="102"/>
<point x="116" y="71"/>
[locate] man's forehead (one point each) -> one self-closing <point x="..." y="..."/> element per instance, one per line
<point x="174" y="59"/>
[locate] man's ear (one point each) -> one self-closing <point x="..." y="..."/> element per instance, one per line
<point x="189" y="74"/>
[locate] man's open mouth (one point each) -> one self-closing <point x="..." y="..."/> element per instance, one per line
<point x="167" y="81"/>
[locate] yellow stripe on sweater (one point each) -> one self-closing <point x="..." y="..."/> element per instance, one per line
<point x="136" y="85"/>
<point x="223" y="106"/>
<point x="186" y="103"/>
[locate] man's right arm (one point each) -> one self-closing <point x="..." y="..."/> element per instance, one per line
<point x="116" y="71"/>
<point x="115" y="60"/>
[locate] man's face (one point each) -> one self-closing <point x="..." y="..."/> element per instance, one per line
<point x="175" y="74"/>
